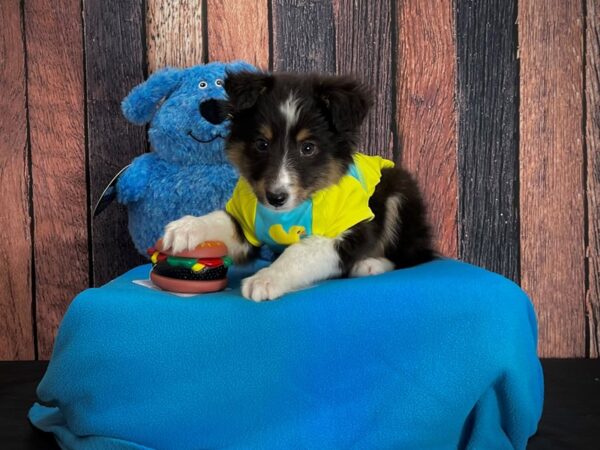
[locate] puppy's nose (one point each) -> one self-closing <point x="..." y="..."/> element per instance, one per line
<point x="213" y="111"/>
<point x="277" y="198"/>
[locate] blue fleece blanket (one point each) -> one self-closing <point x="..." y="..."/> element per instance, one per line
<point x="441" y="356"/>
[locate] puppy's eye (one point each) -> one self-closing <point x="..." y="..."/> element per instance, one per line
<point x="308" y="149"/>
<point x="203" y="85"/>
<point x="219" y="82"/>
<point x="261" y="145"/>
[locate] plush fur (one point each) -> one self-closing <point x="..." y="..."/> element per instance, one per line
<point x="187" y="171"/>
<point x="291" y="136"/>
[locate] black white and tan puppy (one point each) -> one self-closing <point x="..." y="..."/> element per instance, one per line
<point x="294" y="141"/>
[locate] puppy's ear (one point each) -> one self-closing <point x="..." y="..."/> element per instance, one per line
<point x="244" y="88"/>
<point x="346" y="100"/>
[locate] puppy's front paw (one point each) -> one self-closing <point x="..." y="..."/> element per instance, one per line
<point x="184" y="234"/>
<point x="264" y="285"/>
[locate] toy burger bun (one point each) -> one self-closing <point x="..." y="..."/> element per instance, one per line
<point x="203" y="269"/>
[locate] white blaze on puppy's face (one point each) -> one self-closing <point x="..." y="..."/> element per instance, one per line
<point x="284" y="183"/>
<point x="290" y="109"/>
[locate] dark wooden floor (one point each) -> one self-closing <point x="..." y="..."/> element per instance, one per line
<point x="571" y="419"/>
<point x="18" y="381"/>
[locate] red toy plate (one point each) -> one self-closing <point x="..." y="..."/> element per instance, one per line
<point x="187" y="286"/>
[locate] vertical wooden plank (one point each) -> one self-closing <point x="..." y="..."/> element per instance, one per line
<point x="56" y="114"/>
<point x="174" y="33"/>
<point x="303" y="36"/>
<point x="426" y="80"/>
<point x="16" y="327"/>
<point x="114" y="55"/>
<point x="592" y="93"/>
<point x="487" y="102"/>
<point x="364" y="49"/>
<point x="238" y="30"/>
<point x="551" y="193"/>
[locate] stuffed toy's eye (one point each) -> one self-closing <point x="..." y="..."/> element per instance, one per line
<point x="308" y="149"/>
<point x="219" y="82"/>
<point x="261" y="145"/>
<point x="203" y="85"/>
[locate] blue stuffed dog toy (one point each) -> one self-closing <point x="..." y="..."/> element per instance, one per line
<point x="187" y="171"/>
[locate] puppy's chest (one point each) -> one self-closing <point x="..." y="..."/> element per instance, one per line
<point x="280" y="229"/>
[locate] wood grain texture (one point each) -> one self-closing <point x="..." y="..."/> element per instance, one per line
<point x="551" y="170"/>
<point x="238" y="30"/>
<point x="114" y="54"/>
<point x="303" y="36"/>
<point x="174" y="33"/>
<point x="487" y="100"/>
<point x="426" y="78"/>
<point x="56" y="114"/>
<point x="16" y="322"/>
<point x="364" y="50"/>
<point x="592" y="128"/>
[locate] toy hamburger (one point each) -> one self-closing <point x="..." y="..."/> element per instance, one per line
<point x="203" y="269"/>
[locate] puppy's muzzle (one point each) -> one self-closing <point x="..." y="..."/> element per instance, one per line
<point x="277" y="199"/>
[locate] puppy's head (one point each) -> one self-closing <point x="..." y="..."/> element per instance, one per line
<point x="292" y="135"/>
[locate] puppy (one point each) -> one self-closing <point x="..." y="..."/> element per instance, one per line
<point x="305" y="191"/>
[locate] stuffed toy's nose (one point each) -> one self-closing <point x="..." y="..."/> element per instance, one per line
<point x="213" y="111"/>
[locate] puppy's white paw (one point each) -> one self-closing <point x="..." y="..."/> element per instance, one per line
<point x="184" y="234"/>
<point x="264" y="285"/>
<point x="371" y="266"/>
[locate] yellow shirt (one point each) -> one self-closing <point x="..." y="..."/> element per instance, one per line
<point x="329" y="212"/>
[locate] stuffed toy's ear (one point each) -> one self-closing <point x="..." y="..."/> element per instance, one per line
<point x="244" y="88"/>
<point x="240" y="66"/>
<point x="143" y="100"/>
<point x="346" y="100"/>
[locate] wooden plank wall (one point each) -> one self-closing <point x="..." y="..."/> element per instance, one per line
<point x="425" y="110"/>
<point x="592" y="171"/>
<point x="16" y="319"/>
<point x="113" y="65"/>
<point x="174" y="33"/>
<point x="303" y="36"/>
<point x="487" y="114"/>
<point x="55" y="101"/>
<point x="238" y="30"/>
<point x="363" y="31"/>
<point x="551" y="170"/>
<point x="493" y="105"/>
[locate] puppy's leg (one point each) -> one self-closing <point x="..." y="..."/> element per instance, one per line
<point x="300" y="265"/>
<point x="371" y="266"/>
<point x="189" y="231"/>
